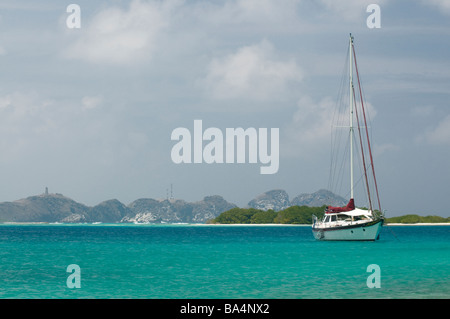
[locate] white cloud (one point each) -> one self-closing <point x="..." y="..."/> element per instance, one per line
<point x="252" y="72"/>
<point x="5" y="101"/>
<point x="24" y="117"/>
<point x="122" y="36"/>
<point x="351" y="10"/>
<point x="312" y="123"/>
<point x="33" y="127"/>
<point x="259" y="12"/>
<point x="380" y="149"/>
<point x="439" y="135"/>
<point x="91" y="102"/>
<point x="442" y="5"/>
<point x="19" y="105"/>
<point x="422" y="111"/>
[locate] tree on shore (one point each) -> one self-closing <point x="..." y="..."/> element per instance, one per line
<point x="302" y="215"/>
<point x="290" y="215"/>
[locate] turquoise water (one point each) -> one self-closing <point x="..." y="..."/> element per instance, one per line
<point x="215" y="262"/>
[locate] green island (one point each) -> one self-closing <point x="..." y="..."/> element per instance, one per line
<point x="302" y="215"/>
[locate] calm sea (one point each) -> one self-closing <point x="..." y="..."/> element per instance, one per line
<point x="216" y="262"/>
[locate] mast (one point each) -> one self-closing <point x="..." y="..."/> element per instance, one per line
<point x="368" y="142"/>
<point x="351" y="114"/>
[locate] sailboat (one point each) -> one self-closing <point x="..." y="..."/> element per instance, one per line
<point x="350" y="223"/>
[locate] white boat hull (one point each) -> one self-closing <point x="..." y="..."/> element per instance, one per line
<point x="362" y="232"/>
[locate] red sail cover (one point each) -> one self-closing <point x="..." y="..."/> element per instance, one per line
<point x="350" y="206"/>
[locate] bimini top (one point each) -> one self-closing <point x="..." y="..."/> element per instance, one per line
<point x="355" y="212"/>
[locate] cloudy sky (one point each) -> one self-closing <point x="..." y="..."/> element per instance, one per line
<point x="89" y="111"/>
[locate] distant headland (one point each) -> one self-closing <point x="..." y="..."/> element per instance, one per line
<point x="272" y="207"/>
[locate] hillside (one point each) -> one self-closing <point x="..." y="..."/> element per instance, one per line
<point x="278" y="199"/>
<point x="57" y="208"/>
<point x="146" y="210"/>
<point x="270" y="207"/>
<point x="49" y="208"/>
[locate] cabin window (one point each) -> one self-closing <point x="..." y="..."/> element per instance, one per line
<point x="333" y="218"/>
<point x="327" y="219"/>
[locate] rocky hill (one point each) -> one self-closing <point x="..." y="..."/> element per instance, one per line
<point x="43" y="208"/>
<point x="57" y="208"/>
<point x="319" y="198"/>
<point x="110" y="211"/>
<point x="148" y="210"/>
<point x="278" y="200"/>
<point x="54" y="208"/>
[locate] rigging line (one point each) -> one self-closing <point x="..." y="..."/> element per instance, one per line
<point x="338" y="163"/>
<point x="362" y="151"/>
<point x="336" y="159"/>
<point x="361" y="175"/>
<point x="337" y="171"/>
<point x="392" y="232"/>
<point x="339" y="167"/>
<point x="334" y="137"/>
<point x="343" y="166"/>
<point x="356" y="185"/>
<point x="367" y="110"/>
<point x="367" y="134"/>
